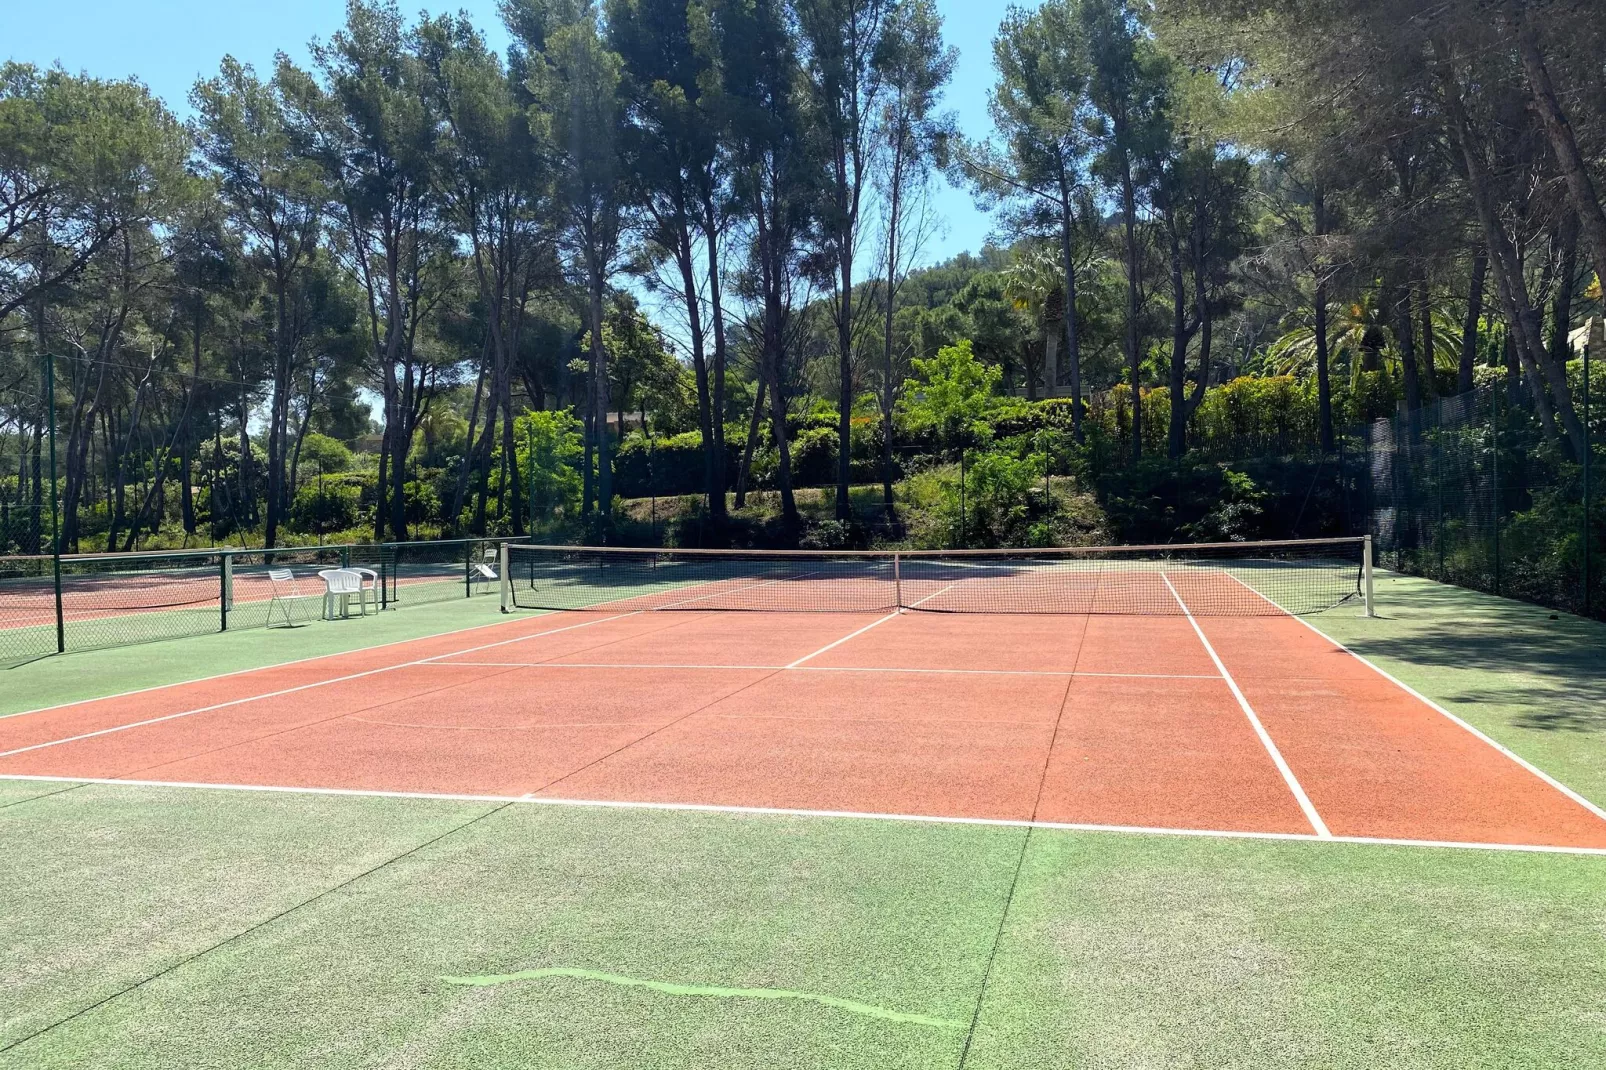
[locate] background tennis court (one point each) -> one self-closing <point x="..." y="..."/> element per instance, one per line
<point x="965" y="828"/>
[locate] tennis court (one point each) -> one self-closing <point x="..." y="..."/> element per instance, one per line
<point x="1046" y="808"/>
<point x="1161" y="691"/>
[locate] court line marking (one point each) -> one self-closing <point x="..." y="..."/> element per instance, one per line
<point x="832" y="646"/>
<point x="270" y="668"/>
<point x="894" y="615"/>
<point x="777" y="811"/>
<point x="827" y="668"/>
<point x="1593" y="808"/>
<point x="293" y="690"/>
<point x="1292" y="781"/>
<point x="666" y="726"/>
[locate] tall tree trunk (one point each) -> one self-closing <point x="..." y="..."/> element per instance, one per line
<point x="401" y="443"/>
<point x="1073" y="348"/>
<point x="783" y="469"/>
<point x="1324" y="355"/>
<point x="510" y="451"/>
<point x="470" y="450"/>
<point x="1469" y="327"/>
<point x="713" y="460"/>
<point x="1564" y="145"/>
<point x="888" y="391"/>
<point x="1561" y="306"/>
<point x="1424" y="311"/>
<point x="1129" y="215"/>
<point x="277" y="408"/>
<point x="717" y="316"/>
<point x="1181" y="335"/>
<point x="36" y="514"/>
<point x="744" y="470"/>
<point x="844" y="423"/>
<point x="382" y="486"/>
<point x="186" y="473"/>
<point x="1405" y="338"/>
<point x="1521" y="316"/>
<point x="599" y="367"/>
<point x="588" y="478"/>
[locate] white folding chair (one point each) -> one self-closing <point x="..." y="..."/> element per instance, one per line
<point x="484" y="572"/>
<point x="286" y="595"/>
<point x="370" y="587"/>
<point x="339" y="584"/>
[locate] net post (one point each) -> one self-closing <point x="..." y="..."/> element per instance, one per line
<point x="504" y="577"/>
<point x="897" y="580"/>
<point x="225" y="590"/>
<point x="1366" y="578"/>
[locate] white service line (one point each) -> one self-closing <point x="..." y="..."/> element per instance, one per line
<point x="771" y="811"/>
<point x="831" y="668"/>
<point x="1292" y="781"/>
<point x="299" y="687"/>
<point x="1420" y="697"/>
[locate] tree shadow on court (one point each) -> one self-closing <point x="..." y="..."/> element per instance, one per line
<point x="1506" y="644"/>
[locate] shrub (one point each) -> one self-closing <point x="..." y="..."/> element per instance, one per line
<point x="668" y="466"/>
<point x="325" y="505"/>
<point x="325" y="454"/>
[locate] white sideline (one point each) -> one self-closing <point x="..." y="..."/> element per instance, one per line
<point x="1292" y="781"/>
<point x="1420" y="697"/>
<point x="300" y="687"/>
<point x="773" y="811"/>
<point x="256" y="668"/>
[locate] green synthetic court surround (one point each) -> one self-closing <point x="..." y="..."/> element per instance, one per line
<point x="179" y="927"/>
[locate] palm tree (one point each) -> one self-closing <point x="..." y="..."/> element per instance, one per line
<point x="1034" y="283"/>
<point x="1362" y="337"/>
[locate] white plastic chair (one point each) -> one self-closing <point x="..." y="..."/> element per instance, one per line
<point x="340" y="583"/>
<point x="286" y="594"/>
<point x="484" y="572"/>
<point x="370" y="587"/>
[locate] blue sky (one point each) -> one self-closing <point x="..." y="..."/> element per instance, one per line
<point x="167" y="44"/>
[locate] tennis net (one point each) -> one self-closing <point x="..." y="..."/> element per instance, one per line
<point x="1215" y="579"/>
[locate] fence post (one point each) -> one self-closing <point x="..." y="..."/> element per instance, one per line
<point x="1494" y="435"/>
<point x="1588" y="449"/>
<point x="55" y="504"/>
<point x="1437" y="446"/>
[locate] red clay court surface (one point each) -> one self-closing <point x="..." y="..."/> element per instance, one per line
<point x="1225" y="725"/>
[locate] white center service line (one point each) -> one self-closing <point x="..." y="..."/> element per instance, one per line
<point x="832" y="646"/>
<point x="301" y="687"/>
<point x="1277" y="759"/>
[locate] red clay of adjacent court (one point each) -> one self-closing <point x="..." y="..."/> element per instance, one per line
<point x="1095" y="720"/>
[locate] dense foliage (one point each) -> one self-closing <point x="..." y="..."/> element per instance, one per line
<point x="671" y="250"/>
